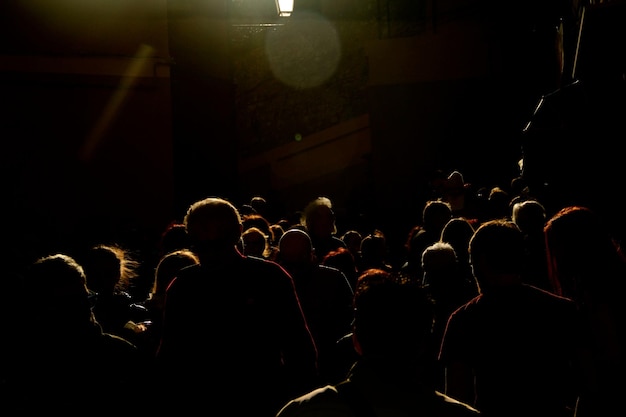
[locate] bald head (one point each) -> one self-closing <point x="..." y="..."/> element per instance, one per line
<point x="295" y="247"/>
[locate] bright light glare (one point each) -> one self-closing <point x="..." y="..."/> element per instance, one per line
<point x="284" y="7"/>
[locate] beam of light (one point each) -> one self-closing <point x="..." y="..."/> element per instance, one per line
<point x="284" y="7"/>
<point x="115" y="102"/>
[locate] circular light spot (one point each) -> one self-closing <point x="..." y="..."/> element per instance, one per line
<point x="304" y="52"/>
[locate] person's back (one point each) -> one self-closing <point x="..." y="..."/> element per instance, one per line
<point x="234" y="335"/>
<point x="167" y="269"/>
<point x="509" y="350"/>
<point x="588" y="266"/>
<point x="61" y="360"/>
<point x="324" y="293"/>
<point x="392" y="323"/>
<point x="449" y="289"/>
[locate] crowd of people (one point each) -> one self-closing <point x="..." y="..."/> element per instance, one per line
<point x="496" y="306"/>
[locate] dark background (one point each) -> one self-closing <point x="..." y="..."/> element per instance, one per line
<point x="94" y="153"/>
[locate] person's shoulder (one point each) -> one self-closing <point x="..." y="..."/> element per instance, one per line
<point x="550" y="298"/>
<point x="331" y="271"/>
<point x="273" y="274"/>
<point x="472" y="306"/>
<point x="466" y="316"/>
<point x="261" y="264"/>
<point x="188" y="272"/>
<point x="451" y="407"/>
<point x="186" y="276"/>
<point x="323" y="402"/>
<point x="115" y="343"/>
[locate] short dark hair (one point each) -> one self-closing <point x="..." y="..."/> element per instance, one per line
<point x="498" y="243"/>
<point x="391" y="315"/>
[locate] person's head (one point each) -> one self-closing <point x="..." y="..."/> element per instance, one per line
<point x="439" y="263"/>
<point x="374" y="248"/>
<point x="173" y="237"/>
<point x="393" y="319"/>
<point x="342" y="259"/>
<point x="453" y="190"/>
<point x="277" y="233"/>
<point x="55" y="288"/>
<point x="258" y="221"/>
<point x="352" y="238"/>
<point x="498" y="203"/>
<point x="519" y="187"/>
<point x="497" y="254"/>
<point x="529" y="216"/>
<point x="109" y="268"/>
<point x="214" y="227"/>
<point x="295" y="249"/>
<point x="169" y="265"/>
<point x="318" y="218"/>
<point x="458" y="231"/>
<point x="260" y="205"/>
<point x="581" y="252"/>
<point x="435" y="215"/>
<point x="255" y="242"/>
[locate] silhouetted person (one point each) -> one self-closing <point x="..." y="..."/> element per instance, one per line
<point x="530" y="216"/>
<point x="498" y="206"/>
<point x="391" y="331"/>
<point x="509" y="351"/>
<point x="454" y="191"/>
<point x="374" y="252"/>
<point x="110" y="270"/>
<point x="343" y="260"/>
<point x="449" y="289"/>
<point x="353" y="238"/>
<point x="589" y="111"/>
<point x="458" y="232"/>
<point x="61" y="360"/>
<point x="587" y="265"/>
<point x="166" y="270"/>
<point x="324" y="293"/>
<point x="318" y="219"/>
<point x="261" y="206"/>
<point x="435" y="215"/>
<point x="174" y="237"/>
<point x="255" y="243"/>
<point x="234" y="334"/>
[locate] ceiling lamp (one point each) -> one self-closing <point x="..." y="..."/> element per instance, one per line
<point x="284" y="7"/>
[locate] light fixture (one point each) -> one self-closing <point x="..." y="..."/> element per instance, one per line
<point x="284" y="7"/>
